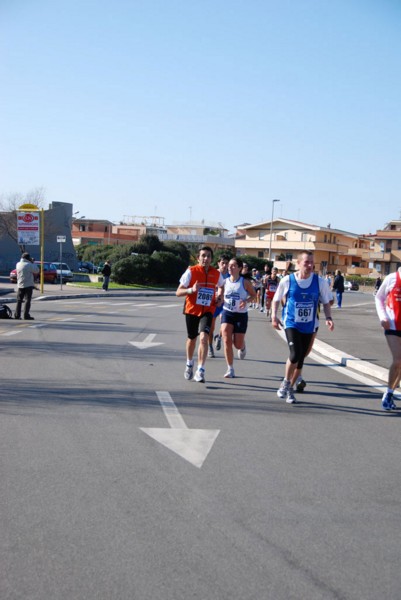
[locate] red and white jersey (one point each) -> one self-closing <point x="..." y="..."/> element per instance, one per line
<point x="388" y="300"/>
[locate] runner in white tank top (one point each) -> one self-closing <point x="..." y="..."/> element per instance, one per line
<point x="234" y="319"/>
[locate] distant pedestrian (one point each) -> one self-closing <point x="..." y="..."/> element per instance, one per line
<point x="388" y="306"/>
<point x="26" y="271"/>
<point x="378" y="283"/>
<point x="338" y="287"/>
<point x="106" y="272"/>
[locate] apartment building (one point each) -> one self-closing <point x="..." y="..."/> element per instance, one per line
<point x="385" y="254"/>
<point x="282" y="240"/>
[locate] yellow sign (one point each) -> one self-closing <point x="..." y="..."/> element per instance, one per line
<point x="28" y="207"/>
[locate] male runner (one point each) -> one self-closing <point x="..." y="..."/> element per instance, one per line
<point x="198" y="285"/>
<point x="388" y="306"/>
<point x="223" y="268"/>
<point x="271" y="285"/>
<point x="301" y="291"/>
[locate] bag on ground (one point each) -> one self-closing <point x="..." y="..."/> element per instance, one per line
<point x="5" y="312"/>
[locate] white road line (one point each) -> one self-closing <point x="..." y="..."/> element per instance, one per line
<point x="170" y="410"/>
<point x="15" y="332"/>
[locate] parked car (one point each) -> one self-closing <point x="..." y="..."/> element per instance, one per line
<point x="49" y="273"/>
<point x="64" y="271"/>
<point x="86" y="267"/>
<point x="351" y="286"/>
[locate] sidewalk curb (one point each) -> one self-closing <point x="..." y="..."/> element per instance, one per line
<point x="351" y="362"/>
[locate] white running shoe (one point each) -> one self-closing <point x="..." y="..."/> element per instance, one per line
<point x="290" y="396"/>
<point x="283" y="389"/>
<point x="242" y="353"/>
<point x="189" y="372"/>
<point x="230" y="373"/>
<point x="200" y="375"/>
<point x="217" y="340"/>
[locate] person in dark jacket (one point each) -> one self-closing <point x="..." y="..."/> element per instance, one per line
<point x="338" y="287"/>
<point x="106" y="272"/>
<point x="378" y="283"/>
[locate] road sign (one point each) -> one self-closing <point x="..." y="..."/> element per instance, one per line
<point x="61" y="239"/>
<point x="28" y="226"/>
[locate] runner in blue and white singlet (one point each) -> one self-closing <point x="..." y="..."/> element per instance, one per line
<point x="301" y="293"/>
<point x="234" y="319"/>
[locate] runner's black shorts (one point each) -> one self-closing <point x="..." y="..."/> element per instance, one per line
<point x="238" y="320"/>
<point x="298" y="344"/>
<point x="197" y="325"/>
<point x="395" y="332"/>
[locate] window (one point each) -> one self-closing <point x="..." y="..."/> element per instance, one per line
<point x="288" y="256"/>
<point x="388" y="246"/>
<point x="325" y="238"/>
<point x="399" y="244"/>
<point x="260" y="254"/>
<point x="82" y="228"/>
<point x="261" y="235"/>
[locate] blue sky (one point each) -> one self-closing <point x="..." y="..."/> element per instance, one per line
<point x="205" y="109"/>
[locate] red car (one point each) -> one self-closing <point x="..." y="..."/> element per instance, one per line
<point x="49" y="273"/>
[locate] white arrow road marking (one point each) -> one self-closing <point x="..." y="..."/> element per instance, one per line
<point x="147" y="342"/>
<point x="191" y="444"/>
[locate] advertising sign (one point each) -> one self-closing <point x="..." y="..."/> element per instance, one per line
<point x="28" y="227"/>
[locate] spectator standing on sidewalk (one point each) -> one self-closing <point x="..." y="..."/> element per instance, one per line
<point x="26" y="271"/>
<point x="388" y="307"/>
<point x="106" y="272"/>
<point x="338" y="287"/>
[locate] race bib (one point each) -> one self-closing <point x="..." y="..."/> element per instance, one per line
<point x="232" y="301"/>
<point x="303" y="312"/>
<point x="204" y="296"/>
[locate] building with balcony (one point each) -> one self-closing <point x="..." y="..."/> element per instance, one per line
<point x="283" y="239"/>
<point x="385" y="255"/>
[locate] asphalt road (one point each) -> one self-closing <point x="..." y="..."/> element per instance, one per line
<point x="121" y="480"/>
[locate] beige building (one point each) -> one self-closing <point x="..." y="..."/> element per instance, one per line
<point x="385" y="255"/>
<point x="283" y="239"/>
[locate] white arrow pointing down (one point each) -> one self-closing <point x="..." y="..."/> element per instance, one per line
<point x="191" y="444"/>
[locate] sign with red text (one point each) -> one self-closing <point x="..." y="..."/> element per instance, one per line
<point x="28" y="227"/>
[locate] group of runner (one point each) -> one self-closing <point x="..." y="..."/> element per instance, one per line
<point x="293" y="303"/>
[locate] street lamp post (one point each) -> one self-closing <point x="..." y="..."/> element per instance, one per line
<point x="271" y="229"/>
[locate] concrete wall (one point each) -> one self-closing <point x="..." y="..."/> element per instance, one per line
<point x="58" y="220"/>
